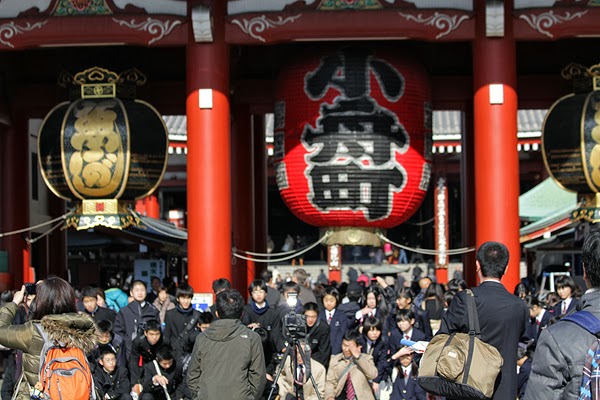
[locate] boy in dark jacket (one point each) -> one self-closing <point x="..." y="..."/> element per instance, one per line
<point x="317" y="335"/>
<point x="181" y="320"/>
<point x="91" y="307"/>
<point x="107" y="340"/>
<point x="162" y="376"/>
<point x="144" y="349"/>
<point x="110" y="380"/>
<point x="130" y="320"/>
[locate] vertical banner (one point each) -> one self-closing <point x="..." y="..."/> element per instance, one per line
<point x="334" y="262"/>
<point x="441" y="229"/>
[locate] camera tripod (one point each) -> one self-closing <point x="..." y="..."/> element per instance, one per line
<point x="292" y="351"/>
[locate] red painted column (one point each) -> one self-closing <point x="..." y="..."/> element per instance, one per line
<point x="208" y="161"/>
<point x="495" y="126"/>
<point x="242" y="194"/>
<point x="152" y="207"/>
<point x="261" y="187"/>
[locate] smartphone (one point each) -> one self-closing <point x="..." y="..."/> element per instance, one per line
<point x="30" y="288"/>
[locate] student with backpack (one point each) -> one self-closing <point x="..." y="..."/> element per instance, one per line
<point x="560" y="368"/>
<point x="55" y="328"/>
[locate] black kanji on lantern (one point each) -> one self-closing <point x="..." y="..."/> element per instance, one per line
<point x="354" y="166"/>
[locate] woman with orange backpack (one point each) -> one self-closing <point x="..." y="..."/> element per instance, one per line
<point x="54" y="327"/>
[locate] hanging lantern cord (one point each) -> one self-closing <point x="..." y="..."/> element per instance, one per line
<point x="31" y="228"/>
<point x="428" y="252"/>
<point x="291" y="256"/>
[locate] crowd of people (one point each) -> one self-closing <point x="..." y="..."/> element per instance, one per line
<point x="355" y="344"/>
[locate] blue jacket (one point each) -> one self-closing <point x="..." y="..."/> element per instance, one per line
<point x="380" y="353"/>
<point x="116" y="299"/>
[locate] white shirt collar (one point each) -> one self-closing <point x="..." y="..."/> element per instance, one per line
<point x="539" y="317"/>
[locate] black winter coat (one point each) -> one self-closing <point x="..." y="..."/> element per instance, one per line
<point x="177" y="323"/>
<point x="130" y="321"/>
<point x="318" y="340"/>
<point x="142" y="353"/>
<point x="115" y="384"/>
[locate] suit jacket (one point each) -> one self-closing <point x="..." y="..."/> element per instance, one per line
<point x="502" y="319"/>
<point x="286" y="381"/>
<point x="337" y="329"/>
<point x="361" y="372"/>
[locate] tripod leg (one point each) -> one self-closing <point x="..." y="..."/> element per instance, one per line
<point x="281" y="364"/>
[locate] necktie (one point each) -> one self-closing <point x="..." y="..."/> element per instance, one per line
<point x="564" y="307"/>
<point x="350" y="394"/>
<point x="300" y="373"/>
<point x="407" y="337"/>
<point x="329" y="318"/>
<point x="405" y="377"/>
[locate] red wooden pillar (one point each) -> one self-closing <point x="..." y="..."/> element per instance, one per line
<point x="208" y="161"/>
<point x="495" y="125"/>
<point x="242" y="194"/>
<point x="152" y="207"/>
<point x="261" y="214"/>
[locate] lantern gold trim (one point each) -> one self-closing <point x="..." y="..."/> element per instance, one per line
<point x="586" y="173"/>
<point x="353" y="236"/>
<point x="544" y="155"/>
<point x="98" y="90"/>
<point x="102" y="206"/>
<point x="42" y="170"/>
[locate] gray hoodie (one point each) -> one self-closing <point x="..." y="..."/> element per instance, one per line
<point x="227" y="363"/>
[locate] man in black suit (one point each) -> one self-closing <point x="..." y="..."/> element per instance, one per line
<point x="502" y="316"/>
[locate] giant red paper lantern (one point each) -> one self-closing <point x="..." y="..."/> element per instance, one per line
<point x="352" y="137"/>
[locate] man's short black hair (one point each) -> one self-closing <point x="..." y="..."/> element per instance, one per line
<point x="164" y="352"/>
<point x="353" y="335"/>
<point x="104" y="326"/>
<point x="206" y="317"/>
<point x="257" y="283"/>
<point x="230" y="304"/>
<point x="184" y="290"/>
<point x="89" y="291"/>
<point x="220" y="284"/>
<point x="104" y="351"/>
<point x="493" y="259"/>
<point x="310" y="306"/>
<point x="591" y="257"/>
<point x="152" y="325"/>
<point x="354" y="292"/>
<point x="291" y="287"/>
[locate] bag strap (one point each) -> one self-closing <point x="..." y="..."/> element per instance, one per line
<point x="586" y="320"/>
<point x="473" y="318"/>
<point x="188" y="328"/>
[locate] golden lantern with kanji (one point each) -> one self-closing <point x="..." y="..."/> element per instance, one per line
<point x="104" y="148"/>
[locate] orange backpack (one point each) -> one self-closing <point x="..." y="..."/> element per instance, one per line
<point x="64" y="372"/>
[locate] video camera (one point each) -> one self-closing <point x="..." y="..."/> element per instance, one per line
<point x="294" y="324"/>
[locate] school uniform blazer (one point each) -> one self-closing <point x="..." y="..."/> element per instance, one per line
<point x="337" y="329"/>
<point x="417" y="335"/>
<point x="558" y="308"/>
<point x="380" y="354"/>
<point x="502" y="319"/>
<point x="533" y="331"/>
<point x="318" y="340"/>
<point x="409" y="391"/>
<point x="361" y="372"/>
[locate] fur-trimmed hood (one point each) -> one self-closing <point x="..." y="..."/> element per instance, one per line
<point x="72" y="329"/>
